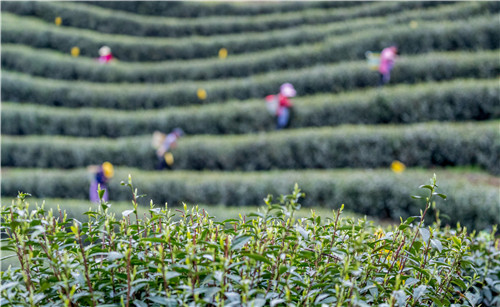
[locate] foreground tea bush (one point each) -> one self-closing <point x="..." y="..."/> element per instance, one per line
<point x="270" y="258"/>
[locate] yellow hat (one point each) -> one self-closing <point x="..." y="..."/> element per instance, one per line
<point x="108" y="169"/>
<point x="169" y="158"/>
<point x="202" y="94"/>
<point x="397" y="166"/>
<point x="223" y="53"/>
<point x="75" y="51"/>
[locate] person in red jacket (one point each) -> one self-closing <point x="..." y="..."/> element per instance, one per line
<point x="284" y="106"/>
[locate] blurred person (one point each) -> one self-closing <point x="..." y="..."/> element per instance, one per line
<point x="101" y="174"/>
<point x="105" y="55"/>
<point x="281" y="106"/>
<point x="163" y="143"/>
<point x="387" y="58"/>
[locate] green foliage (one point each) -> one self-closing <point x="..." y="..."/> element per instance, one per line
<point x="267" y="258"/>
<point x="52" y="64"/>
<point x="377" y="193"/>
<point x="456" y="100"/>
<point x="472" y="34"/>
<point x="424" y="145"/>
<point x="189" y="10"/>
<point x="328" y="78"/>
<point x="116" y="22"/>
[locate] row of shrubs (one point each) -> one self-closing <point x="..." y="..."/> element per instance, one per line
<point x="377" y="193"/>
<point x="191" y="10"/>
<point x="40" y="34"/>
<point x="474" y="33"/>
<point x="456" y="100"/>
<point x="186" y="258"/>
<point x="115" y="22"/>
<point x="358" y="146"/>
<point x="53" y="64"/>
<point x="18" y="87"/>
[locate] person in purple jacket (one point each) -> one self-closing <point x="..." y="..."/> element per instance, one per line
<point x="163" y="144"/>
<point x="101" y="174"/>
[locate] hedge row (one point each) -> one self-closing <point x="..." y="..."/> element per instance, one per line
<point x="377" y="193"/>
<point x="328" y="78"/>
<point x="457" y="100"/>
<point x="425" y="145"/>
<point x="196" y="10"/>
<point x="53" y="64"/>
<point x="116" y="22"/>
<point x="474" y="33"/>
<point x="37" y="33"/>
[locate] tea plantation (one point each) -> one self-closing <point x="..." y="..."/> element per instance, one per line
<point x="61" y="113"/>
<point x="439" y="113"/>
<point x="63" y="110"/>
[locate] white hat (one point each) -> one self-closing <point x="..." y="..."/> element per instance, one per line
<point x="104" y="51"/>
<point x="287" y="90"/>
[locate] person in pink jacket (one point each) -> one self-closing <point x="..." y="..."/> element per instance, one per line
<point x="387" y="58"/>
<point x="105" y="55"/>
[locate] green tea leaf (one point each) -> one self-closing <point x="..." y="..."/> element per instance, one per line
<point x="257" y="257"/>
<point x="239" y="241"/>
<point x="437" y="244"/>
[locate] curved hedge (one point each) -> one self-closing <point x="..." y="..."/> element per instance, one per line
<point x="116" y="22"/>
<point x="424" y="145"/>
<point x="456" y="100"/>
<point x="37" y="33"/>
<point x="48" y="63"/>
<point x="191" y="10"/>
<point x="473" y="34"/>
<point x="332" y="78"/>
<point x="472" y="201"/>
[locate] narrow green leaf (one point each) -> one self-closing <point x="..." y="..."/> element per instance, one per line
<point x="257" y="257"/>
<point x="437" y="244"/>
<point x="426" y="186"/>
<point x="240" y="241"/>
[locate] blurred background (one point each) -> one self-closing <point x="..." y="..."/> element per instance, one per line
<point x="93" y="91"/>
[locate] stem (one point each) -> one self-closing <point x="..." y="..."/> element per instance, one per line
<point x="87" y="277"/>
<point x="427" y="206"/>
<point x="129" y="279"/>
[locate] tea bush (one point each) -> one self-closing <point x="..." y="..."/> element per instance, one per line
<point x="377" y="193"/>
<point x="115" y="22"/>
<point x="471" y="34"/>
<point x="167" y="10"/>
<point x="267" y="258"/>
<point x="458" y="100"/>
<point x="105" y="21"/>
<point x="63" y="66"/>
<point x="335" y="78"/>
<point x="423" y="145"/>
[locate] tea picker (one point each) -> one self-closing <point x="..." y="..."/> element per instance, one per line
<point x="163" y="143"/>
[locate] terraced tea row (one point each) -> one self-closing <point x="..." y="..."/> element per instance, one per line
<point x="424" y="145"/>
<point x="457" y="100"/>
<point x="473" y="33"/>
<point x="115" y="22"/>
<point x="189" y="10"/>
<point x="473" y="197"/>
<point x="63" y="66"/>
<point x="328" y="78"/>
